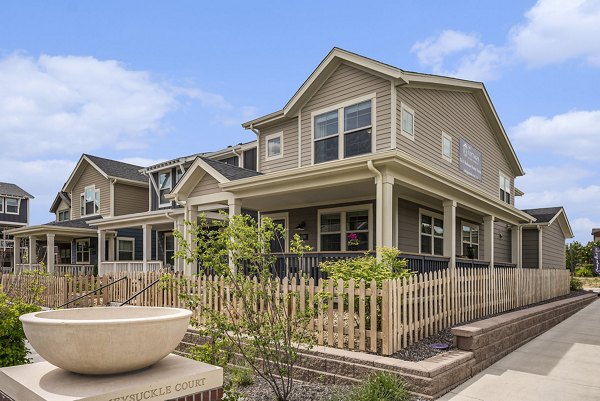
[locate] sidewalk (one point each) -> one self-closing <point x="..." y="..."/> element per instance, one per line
<point x="562" y="364"/>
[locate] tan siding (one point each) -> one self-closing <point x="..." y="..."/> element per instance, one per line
<point x="459" y="115"/>
<point x="553" y="247"/>
<point x="61" y="207"/>
<point x="345" y="84"/>
<point x="90" y="176"/>
<point x="502" y="243"/>
<point x="290" y="147"/>
<point x="130" y="199"/>
<point x="530" y="248"/>
<point x="207" y="185"/>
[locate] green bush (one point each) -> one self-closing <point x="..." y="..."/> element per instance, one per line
<point x="240" y="377"/>
<point x="12" y="338"/>
<point x="368" y="267"/>
<point x="216" y="351"/>
<point x="377" y="387"/>
<point x="585" y="270"/>
<point x="576" y="285"/>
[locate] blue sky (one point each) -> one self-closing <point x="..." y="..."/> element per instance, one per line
<point x="137" y="80"/>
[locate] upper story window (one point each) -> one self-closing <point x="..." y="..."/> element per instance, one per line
<point x="233" y="160"/>
<point x="1" y="204"/>
<point x="504" y="188"/>
<point x="446" y="147"/>
<point x="432" y="233"/>
<point x="11" y="205"/>
<point x="356" y="131"/>
<point x="274" y="146"/>
<point x="90" y="201"/>
<point x="178" y="175"/>
<point x="250" y="159"/>
<point x="408" y="121"/>
<point x="164" y="187"/>
<point x="63" y="215"/>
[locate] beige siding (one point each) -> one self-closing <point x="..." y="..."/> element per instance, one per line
<point x="290" y="147"/>
<point x="61" y="207"/>
<point x="130" y="199"/>
<point x="553" y="247"/>
<point x="90" y="176"/>
<point x="458" y="114"/>
<point x="530" y="248"/>
<point x="207" y="185"/>
<point x="347" y="83"/>
<point x="502" y="243"/>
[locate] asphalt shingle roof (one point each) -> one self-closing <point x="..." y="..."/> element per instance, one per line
<point x="118" y="169"/>
<point x="77" y="223"/>
<point x="6" y="188"/>
<point x="544" y="214"/>
<point x="230" y="172"/>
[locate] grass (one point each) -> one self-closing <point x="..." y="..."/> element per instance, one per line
<point x="377" y="387"/>
<point x="589" y="282"/>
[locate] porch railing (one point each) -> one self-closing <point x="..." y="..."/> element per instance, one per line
<point x="425" y="263"/>
<point x="503" y="265"/>
<point x="130" y="266"/>
<point x="74" y="270"/>
<point x="472" y="263"/>
<point x="7" y="243"/>
<point x="21" y="267"/>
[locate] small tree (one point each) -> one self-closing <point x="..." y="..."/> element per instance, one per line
<point x="263" y="324"/>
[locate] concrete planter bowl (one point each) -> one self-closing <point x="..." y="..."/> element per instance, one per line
<point x="101" y="341"/>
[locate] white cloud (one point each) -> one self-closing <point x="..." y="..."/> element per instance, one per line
<point x="573" y="134"/>
<point x="558" y="30"/>
<point x="432" y="51"/>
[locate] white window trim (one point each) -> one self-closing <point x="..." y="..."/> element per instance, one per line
<point x="170" y="172"/>
<point x="404" y="106"/>
<point x="89" y="251"/>
<point x="502" y="175"/>
<point x="270" y="137"/>
<point x="6" y="198"/>
<point x="127" y="239"/>
<point x="343" y="211"/>
<point x="449" y="138"/>
<point x="433" y="215"/>
<point x="280" y="216"/>
<point x="82" y="206"/>
<point x="340" y="108"/>
<point x="1" y="204"/>
<point x="477" y="226"/>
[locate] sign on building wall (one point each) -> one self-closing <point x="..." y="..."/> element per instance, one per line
<point x="596" y="257"/>
<point x="470" y="160"/>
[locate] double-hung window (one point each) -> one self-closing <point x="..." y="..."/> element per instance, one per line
<point x="470" y="240"/>
<point x="63" y="215"/>
<point x="164" y="187"/>
<point x="274" y="146"/>
<point x="90" y="201"/>
<point x="446" y="147"/>
<point x="11" y="205"/>
<point x="1" y="204"/>
<point x="408" y="121"/>
<point x="504" y="188"/>
<point x="432" y="233"/>
<point x="345" y="229"/>
<point x="353" y="137"/>
<point x="125" y="249"/>
<point x="82" y="251"/>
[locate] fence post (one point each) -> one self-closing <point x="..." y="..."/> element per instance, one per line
<point x="385" y="317"/>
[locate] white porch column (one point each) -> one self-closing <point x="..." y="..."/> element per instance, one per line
<point x="32" y="251"/>
<point x="540" y="253"/>
<point x="101" y="251"/>
<point x="177" y="226"/>
<point x="384" y="214"/>
<point x="147" y="244"/>
<point x="191" y="216"/>
<point x="111" y="248"/>
<point x="235" y="208"/>
<point x="450" y="232"/>
<point x="488" y="245"/>
<point x="516" y="235"/>
<point x="395" y="207"/>
<point x="16" y="252"/>
<point x="50" y="253"/>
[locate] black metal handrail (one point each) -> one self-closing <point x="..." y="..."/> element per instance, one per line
<point x="141" y="291"/>
<point x="90" y="293"/>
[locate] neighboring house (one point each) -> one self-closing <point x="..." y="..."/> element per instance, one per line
<point x="596" y="234"/>
<point x="14" y="213"/>
<point x="544" y="240"/>
<point x="97" y="188"/>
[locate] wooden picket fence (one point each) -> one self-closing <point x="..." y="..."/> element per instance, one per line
<point x="357" y="315"/>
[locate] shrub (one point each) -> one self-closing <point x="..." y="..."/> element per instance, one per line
<point x="241" y="377"/>
<point x="377" y="387"/>
<point x="12" y="338"/>
<point x="576" y="285"/>
<point x="585" y="270"/>
<point x="216" y="351"/>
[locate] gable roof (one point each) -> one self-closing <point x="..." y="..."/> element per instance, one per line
<point x="548" y="215"/>
<point x="338" y="56"/>
<point x="60" y="197"/>
<point x="110" y="169"/>
<point x="229" y="171"/>
<point x="9" y="189"/>
<point x="77" y="223"/>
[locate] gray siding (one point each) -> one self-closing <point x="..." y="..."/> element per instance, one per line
<point x="207" y="185"/>
<point x="16" y="218"/>
<point x="290" y="147"/>
<point x="553" y="247"/>
<point x="502" y="243"/>
<point x="130" y="199"/>
<point x="459" y="115"/>
<point x="530" y="248"/>
<point x="90" y="176"/>
<point x="345" y="84"/>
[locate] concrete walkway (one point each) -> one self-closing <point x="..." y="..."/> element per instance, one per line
<point x="563" y="364"/>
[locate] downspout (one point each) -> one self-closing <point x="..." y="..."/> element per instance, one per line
<point x="239" y="156"/>
<point x="378" y="204"/>
<point x="257" y="132"/>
